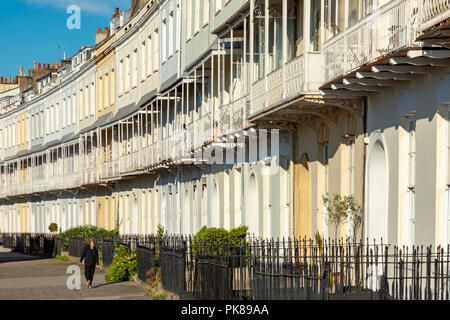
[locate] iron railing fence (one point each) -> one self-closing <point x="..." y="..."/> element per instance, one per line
<point x="49" y="245"/>
<point x="146" y="260"/>
<point x="338" y="270"/>
<point x="30" y="243"/>
<point x="59" y="246"/>
<point x="7" y="241"/>
<point x="76" y="245"/>
<point x="108" y="248"/>
<point x="174" y="267"/>
<point x="295" y="269"/>
<point x="275" y="269"/>
<point x="228" y="264"/>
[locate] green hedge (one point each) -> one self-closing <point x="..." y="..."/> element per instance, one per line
<point x="220" y="236"/>
<point x="220" y="243"/>
<point x="86" y="232"/>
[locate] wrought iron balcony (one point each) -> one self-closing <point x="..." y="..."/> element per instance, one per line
<point x="390" y="29"/>
<point x="279" y="86"/>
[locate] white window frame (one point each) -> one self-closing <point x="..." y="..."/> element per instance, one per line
<point x="164" y="40"/>
<point x="188" y="19"/>
<point x="411" y="166"/>
<point x="447" y="185"/>
<point x="135" y="76"/>
<point x="205" y="13"/>
<point x="171" y="38"/>
<point x="156" y="50"/>
<point x="218" y="6"/>
<point x="197" y="16"/>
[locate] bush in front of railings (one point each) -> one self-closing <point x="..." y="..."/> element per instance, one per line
<point x="86" y="232"/>
<point x="124" y="266"/>
<point x="222" y="244"/>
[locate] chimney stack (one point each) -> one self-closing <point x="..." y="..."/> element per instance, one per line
<point x="21" y="71"/>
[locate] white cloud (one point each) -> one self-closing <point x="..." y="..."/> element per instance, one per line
<point x="96" y="7"/>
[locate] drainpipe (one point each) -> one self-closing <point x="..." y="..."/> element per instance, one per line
<point x="364" y="169"/>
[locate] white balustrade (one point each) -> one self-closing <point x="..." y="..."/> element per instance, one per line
<point x="388" y="29"/>
<point x="258" y="96"/>
<point x="275" y="81"/>
<point x="295" y="76"/>
<point x="433" y="12"/>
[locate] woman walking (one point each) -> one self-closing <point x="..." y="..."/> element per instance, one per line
<point x="90" y="256"/>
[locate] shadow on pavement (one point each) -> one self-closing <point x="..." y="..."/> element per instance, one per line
<point x="106" y="284"/>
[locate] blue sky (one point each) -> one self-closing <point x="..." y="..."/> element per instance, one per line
<point x="32" y="30"/>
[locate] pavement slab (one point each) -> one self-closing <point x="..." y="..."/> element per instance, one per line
<point x="26" y="277"/>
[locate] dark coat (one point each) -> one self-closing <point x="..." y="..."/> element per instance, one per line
<point x="90" y="256"/>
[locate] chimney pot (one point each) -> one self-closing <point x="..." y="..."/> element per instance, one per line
<point x="48" y="65"/>
<point x="106" y="29"/>
<point x="117" y="10"/>
<point x="9" y="79"/>
<point x="99" y="30"/>
<point x="35" y="65"/>
<point x="39" y="66"/>
<point x="1" y="79"/>
<point x="17" y="79"/>
<point x="53" y="65"/>
<point x="21" y="71"/>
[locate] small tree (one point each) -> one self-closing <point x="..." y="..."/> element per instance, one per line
<point x="342" y="209"/>
<point x="53" y="227"/>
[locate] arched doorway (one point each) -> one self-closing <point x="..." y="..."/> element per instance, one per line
<point x="253" y="206"/>
<point x="302" y="197"/>
<point x="376" y="190"/>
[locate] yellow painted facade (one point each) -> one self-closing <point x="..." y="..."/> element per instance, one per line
<point x="24" y="217"/>
<point x="105" y="78"/>
<point x="105" y="212"/>
<point x="22" y="131"/>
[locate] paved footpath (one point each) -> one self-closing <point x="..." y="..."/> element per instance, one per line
<point x="26" y="277"/>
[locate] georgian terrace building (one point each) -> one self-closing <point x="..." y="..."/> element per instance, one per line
<point x="335" y="81"/>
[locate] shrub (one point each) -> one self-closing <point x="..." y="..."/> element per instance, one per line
<point x="153" y="280"/>
<point x="218" y="236"/>
<point x="53" y="227"/>
<point x="211" y="241"/>
<point x="124" y="266"/>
